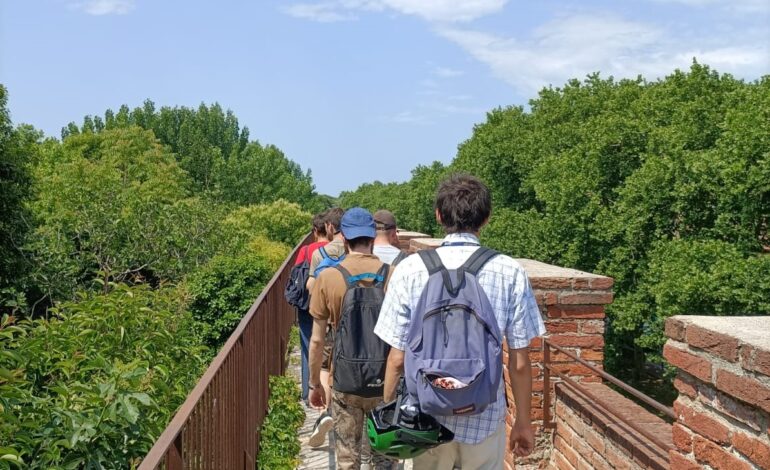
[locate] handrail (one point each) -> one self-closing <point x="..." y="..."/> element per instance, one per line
<point x="217" y="426"/>
<point x="548" y="368"/>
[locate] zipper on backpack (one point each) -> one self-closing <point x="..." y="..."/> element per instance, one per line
<point x="444" y="312"/>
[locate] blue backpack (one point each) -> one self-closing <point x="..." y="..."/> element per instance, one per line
<point x="453" y="335"/>
<point x="326" y="262"/>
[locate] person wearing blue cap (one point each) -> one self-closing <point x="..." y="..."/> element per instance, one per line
<point x="349" y="299"/>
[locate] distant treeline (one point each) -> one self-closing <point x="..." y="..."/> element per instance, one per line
<point x="663" y="185"/>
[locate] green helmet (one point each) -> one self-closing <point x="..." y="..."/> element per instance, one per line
<point x="404" y="432"/>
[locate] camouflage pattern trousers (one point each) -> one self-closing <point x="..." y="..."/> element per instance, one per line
<point x="352" y="449"/>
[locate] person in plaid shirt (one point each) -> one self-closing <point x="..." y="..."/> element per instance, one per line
<point x="463" y="206"/>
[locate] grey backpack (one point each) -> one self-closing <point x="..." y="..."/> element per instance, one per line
<point x="453" y="358"/>
<point x="359" y="355"/>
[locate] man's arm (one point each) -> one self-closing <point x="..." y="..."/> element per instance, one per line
<point x="522" y="438"/>
<point x="316" y="352"/>
<point x="393" y="371"/>
<point x="314" y="260"/>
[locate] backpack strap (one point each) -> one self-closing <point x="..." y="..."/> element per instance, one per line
<point x="382" y="275"/>
<point x="434" y="265"/>
<point x="478" y="259"/>
<point x="324" y="254"/>
<point x="431" y="260"/>
<point x="401" y="257"/>
<point x="379" y="277"/>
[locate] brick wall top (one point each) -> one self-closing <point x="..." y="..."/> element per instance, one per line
<point x="405" y="236"/>
<point x="542" y="275"/>
<point x="742" y="342"/>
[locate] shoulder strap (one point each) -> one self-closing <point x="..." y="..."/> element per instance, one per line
<point x="431" y="260"/>
<point x="322" y="250"/>
<point x="401" y="257"/>
<point x="382" y="275"/>
<point x="478" y="259"/>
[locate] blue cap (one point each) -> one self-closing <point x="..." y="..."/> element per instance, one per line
<point x="357" y="222"/>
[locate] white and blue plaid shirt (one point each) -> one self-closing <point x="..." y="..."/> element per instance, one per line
<point x="507" y="286"/>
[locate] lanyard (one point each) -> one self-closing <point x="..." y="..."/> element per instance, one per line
<point x="460" y="244"/>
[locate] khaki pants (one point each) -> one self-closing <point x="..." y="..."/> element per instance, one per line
<point x="486" y="455"/>
<point x="352" y="448"/>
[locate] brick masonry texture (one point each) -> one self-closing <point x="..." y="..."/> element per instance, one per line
<point x="723" y="380"/>
<point x="587" y="436"/>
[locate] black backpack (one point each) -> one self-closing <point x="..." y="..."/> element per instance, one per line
<point x="296" y="292"/>
<point x="360" y="356"/>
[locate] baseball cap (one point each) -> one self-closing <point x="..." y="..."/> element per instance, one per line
<point x="357" y="222"/>
<point x="384" y="219"/>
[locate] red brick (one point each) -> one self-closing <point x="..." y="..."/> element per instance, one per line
<point x="602" y="282"/>
<point x="594" y="439"/>
<point x="585" y="298"/>
<point x="592" y="327"/>
<point x="568" y="452"/>
<point x="682" y="438"/>
<point x="690" y="363"/>
<point x="558" y="356"/>
<point x="546" y="298"/>
<point x="744" y="388"/>
<point x="720" y="344"/>
<point x="716" y="456"/>
<point x="675" y="329"/>
<point x="561" y="326"/>
<point x="574" y="369"/>
<point x="599" y="463"/>
<point x="701" y="423"/>
<point x="561" y="461"/>
<point x="582" y="283"/>
<point x="755" y="360"/>
<point x="536" y="343"/>
<point x="590" y="379"/>
<point x="679" y="462"/>
<point x="592" y="355"/>
<point x="685" y="387"/>
<point x="591" y="342"/>
<point x="757" y="451"/>
<point x="551" y="282"/>
<point x="616" y="459"/>
<point x="576" y="311"/>
<point x="537" y="385"/>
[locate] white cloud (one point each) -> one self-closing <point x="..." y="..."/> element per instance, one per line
<point x="447" y="72"/>
<point x="105" y="7"/>
<point x="408" y="117"/>
<point x="441" y="11"/>
<point x="738" y="6"/>
<point x="572" y="47"/>
<point x="320" y="12"/>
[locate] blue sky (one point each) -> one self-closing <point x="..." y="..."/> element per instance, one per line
<point x="355" y="90"/>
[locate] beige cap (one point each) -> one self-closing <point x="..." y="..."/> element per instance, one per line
<point x="384" y="219"/>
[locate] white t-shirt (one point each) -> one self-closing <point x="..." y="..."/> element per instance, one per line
<point x="386" y="253"/>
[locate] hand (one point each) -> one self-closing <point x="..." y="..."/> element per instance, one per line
<point x="317" y="398"/>
<point x="522" y="439"/>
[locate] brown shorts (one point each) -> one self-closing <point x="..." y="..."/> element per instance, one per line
<point x="328" y="343"/>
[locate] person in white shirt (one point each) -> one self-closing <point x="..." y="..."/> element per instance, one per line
<point x="386" y="242"/>
<point x="463" y="207"/>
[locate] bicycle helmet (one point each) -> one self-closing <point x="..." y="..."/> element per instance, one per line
<point x="404" y="432"/>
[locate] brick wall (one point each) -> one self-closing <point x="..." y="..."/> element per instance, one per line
<point x="587" y="436"/>
<point x="572" y="304"/>
<point x="723" y="379"/>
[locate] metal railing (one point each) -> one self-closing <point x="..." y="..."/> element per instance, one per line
<point x="218" y="425"/>
<point x="660" y="447"/>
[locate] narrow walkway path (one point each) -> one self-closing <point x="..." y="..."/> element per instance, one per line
<point x="319" y="458"/>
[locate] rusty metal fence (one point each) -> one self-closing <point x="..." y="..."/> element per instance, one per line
<point x="659" y="446"/>
<point x="218" y="425"/>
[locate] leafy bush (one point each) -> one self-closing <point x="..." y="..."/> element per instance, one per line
<point x="224" y="290"/>
<point x="279" y="440"/>
<point x="95" y="384"/>
<point x="279" y="221"/>
<point x="116" y="203"/>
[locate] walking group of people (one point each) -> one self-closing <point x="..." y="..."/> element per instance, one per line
<point x="403" y="354"/>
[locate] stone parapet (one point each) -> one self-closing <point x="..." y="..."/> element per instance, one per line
<point x="723" y="379"/>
